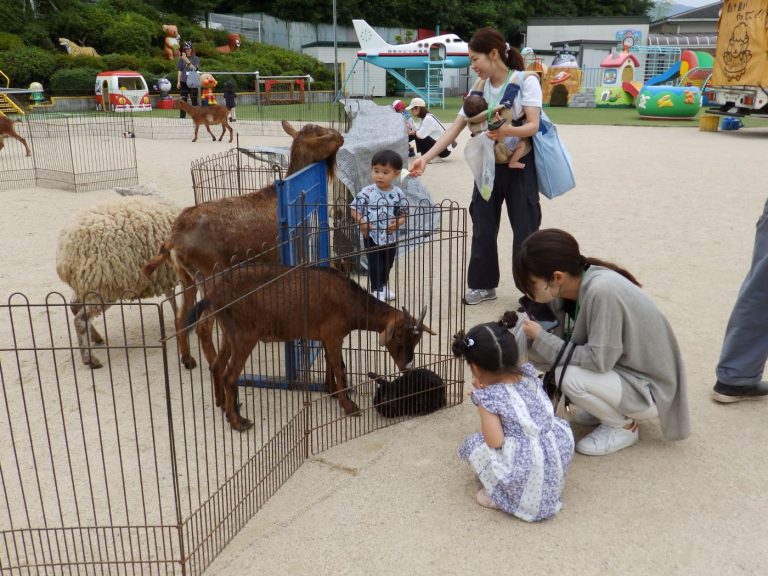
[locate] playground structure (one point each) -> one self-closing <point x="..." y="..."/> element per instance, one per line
<point x="122" y="91"/>
<point x="419" y="66"/>
<point x="7" y="105"/>
<point x="561" y="80"/>
<point x="673" y="93"/>
<point x="284" y="91"/>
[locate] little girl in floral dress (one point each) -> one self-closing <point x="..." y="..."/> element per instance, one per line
<point x="523" y="452"/>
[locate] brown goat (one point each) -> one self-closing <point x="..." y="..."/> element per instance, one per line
<point x="210" y="236"/>
<point x="269" y="302"/>
<point x="208" y="116"/>
<point x="7" y="128"/>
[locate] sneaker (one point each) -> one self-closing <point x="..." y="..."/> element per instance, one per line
<point x="584" y="418"/>
<point x="388" y="294"/>
<point x="606" y="440"/>
<point x="727" y="393"/>
<point x="484" y="500"/>
<point x="380" y="295"/>
<point x="477" y="295"/>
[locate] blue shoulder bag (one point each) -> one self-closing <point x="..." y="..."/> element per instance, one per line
<point x="554" y="167"/>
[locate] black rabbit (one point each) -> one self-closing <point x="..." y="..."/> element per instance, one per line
<point x="417" y="391"/>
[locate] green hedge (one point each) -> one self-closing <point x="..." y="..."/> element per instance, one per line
<point x="73" y="80"/>
<point x="128" y="35"/>
<point x="27" y="64"/>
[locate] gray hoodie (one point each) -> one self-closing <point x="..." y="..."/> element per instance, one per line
<point x="619" y="328"/>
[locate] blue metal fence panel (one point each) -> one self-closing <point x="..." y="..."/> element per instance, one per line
<point x="302" y="217"/>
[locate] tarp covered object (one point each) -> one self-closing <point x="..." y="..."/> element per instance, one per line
<point x="375" y="128"/>
<point x="742" y="44"/>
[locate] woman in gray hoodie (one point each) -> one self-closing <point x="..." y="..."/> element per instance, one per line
<point x="625" y="364"/>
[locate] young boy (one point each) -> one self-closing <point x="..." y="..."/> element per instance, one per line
<point x="230" y="100"/>
<point x="380" y="209"/>
<point x="475" y="109"/>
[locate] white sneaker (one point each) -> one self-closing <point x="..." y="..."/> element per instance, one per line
<point x="380" y="294"/>
<point x="389" y="295"/>
<point x="607" y="440"/>
<point x="584" y="418"/>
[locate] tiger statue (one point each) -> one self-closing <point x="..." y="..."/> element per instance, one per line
<point x="75" y="50"/>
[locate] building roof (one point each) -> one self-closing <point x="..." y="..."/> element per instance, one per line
<point x="587" y="20"/>
<point x="708" y="12"/>
<point x="329" y="44"/>
<point x="617" y="59"/>
<point x="696" y="40"/>
<point x="579" y="43"/>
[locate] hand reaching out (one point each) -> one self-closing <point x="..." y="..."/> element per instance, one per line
<point x="417" y="167"/>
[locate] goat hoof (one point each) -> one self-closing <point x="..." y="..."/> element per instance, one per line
<point x="351" y="409"/>
<point x="243" y="425"/>
<point x="189" y="362"/>
<point x="93" y="363"/>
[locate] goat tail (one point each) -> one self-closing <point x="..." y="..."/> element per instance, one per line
<point x="153" y="264"/>
<point x="195" y="314"/>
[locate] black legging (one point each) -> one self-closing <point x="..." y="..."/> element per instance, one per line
<point x="519" y="188"/>
<point x="184" y="93"/>
<point x="423" y="145"/>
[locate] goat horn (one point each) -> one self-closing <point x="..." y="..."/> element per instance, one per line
<point x="423" y="315"/>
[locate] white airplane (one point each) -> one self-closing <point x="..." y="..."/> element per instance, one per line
<point x="449" y="49"/>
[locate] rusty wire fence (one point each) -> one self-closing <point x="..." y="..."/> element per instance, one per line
<point x="74" y="153"/>
<point x="133" y="469"/>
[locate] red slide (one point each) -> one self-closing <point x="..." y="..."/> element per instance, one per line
<point x="631" y="88"/>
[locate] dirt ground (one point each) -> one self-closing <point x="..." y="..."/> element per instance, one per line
<point x="677" y="207"/>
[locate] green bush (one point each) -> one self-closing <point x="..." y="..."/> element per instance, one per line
<point x="130" y="34"/>
<point x="84" y="24"/>
<point x="10" y="41"/>
<point x="74" y="81"/>
<point x="13" y="18"/>
<point x="121" y="62"/>
<point x="27" y="64"/>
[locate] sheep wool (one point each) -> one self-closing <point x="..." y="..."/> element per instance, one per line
<point x="104" y="248"/>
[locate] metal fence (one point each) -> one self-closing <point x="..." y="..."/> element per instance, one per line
<point x="132" y="469"/>
<point x="75" y="153"/>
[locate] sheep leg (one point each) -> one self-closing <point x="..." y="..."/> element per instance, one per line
<point x="334" y="358"/>
<point x="82" y="322"/>
<point x="96" y="338"/>
<point x="235" y="365"/>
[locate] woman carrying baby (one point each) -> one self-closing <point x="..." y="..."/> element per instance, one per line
<point x="495" y="63"/>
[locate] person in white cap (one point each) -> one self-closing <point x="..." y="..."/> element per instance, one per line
<point x="429" y="131"/>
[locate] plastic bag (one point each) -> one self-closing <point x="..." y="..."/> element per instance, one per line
<point x="481" y="160"/>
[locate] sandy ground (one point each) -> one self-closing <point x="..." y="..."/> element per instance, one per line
<point x="677" y="207"/>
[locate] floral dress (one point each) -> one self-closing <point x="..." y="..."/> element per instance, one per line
<point x="524" y="477"/>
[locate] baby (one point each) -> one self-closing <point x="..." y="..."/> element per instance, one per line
<point x="475" y="109"/>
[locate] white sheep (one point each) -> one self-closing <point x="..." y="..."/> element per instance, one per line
<point x="101" y="253"/>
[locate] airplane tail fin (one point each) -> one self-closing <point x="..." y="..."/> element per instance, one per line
<point x="367" y="36"/>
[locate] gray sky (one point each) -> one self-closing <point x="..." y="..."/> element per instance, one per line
<point x="694" y="3"/>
